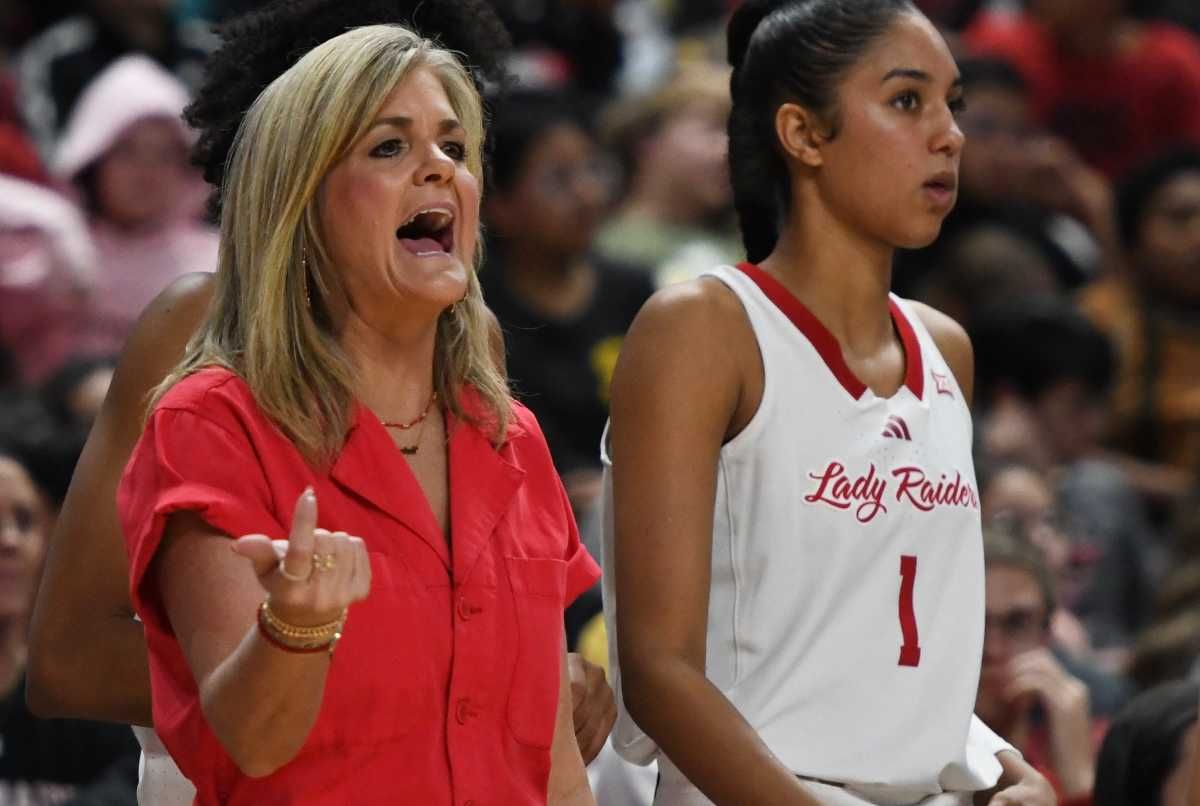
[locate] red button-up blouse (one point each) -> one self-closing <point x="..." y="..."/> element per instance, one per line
<point x="444" y="687"/>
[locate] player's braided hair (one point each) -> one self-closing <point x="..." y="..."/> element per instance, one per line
<point x="261" y="45"/>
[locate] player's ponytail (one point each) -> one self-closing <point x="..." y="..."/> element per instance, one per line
<point x="787" y="51"/>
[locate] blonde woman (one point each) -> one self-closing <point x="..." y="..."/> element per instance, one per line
<point x="343" y="393"/>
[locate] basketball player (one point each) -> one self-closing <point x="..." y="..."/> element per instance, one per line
<point x="799" y="572"/>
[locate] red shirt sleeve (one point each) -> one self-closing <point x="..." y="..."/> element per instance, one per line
<point x="582" y="570"/>
<point x="196" y="459"/>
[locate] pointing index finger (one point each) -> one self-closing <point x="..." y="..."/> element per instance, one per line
<point x="297" y="562"/>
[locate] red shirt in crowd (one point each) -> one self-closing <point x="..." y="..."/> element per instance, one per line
<point x="444" y="687"/>
<point x="18" y="157"/>
<point x="1117" y="110"/>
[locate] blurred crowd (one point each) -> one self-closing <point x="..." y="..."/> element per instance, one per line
<point x="1073" y="260"/>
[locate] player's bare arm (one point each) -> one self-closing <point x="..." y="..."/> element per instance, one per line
<point x="689" y="378"/>
<point x="83" y="628"/>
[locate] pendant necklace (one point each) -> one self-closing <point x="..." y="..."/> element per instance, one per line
<point x="410" y="450"/>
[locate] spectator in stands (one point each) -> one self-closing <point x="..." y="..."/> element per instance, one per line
<point x="42" y="761"/>
<point x="676" y="219"/>
<point x="1150" y="312"/>
<point x="74" y="394"/>
<point x="1169" y="647"/>
<point x="1026" y="692"/>
<point x="18" y="157"/>
<point x="55" y="67"/>
<point x="563" y="310"/>
<point x="1043" y="379"/>
<point x="1093" y="586"/>
<point x="47" y="264"/>
<point x="560" y="44"/>
<point x="1031" y="217"/>
<point x="1150" y="750"/>
<point x="125" y="149"/>
<point x="1019" y="495"/>
<point x="1117" y="89"/>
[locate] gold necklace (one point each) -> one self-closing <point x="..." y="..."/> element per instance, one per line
<point x="420" y="418"/>
<point x="411" y="450"/>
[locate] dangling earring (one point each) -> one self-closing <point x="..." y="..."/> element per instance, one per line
<point x="453" y="309"/>
<point x="304" y="274"/>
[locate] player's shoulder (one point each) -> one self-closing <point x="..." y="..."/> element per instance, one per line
<point x="946" y="332"/>
<point x="185" y="298"/>
<point x="952" y="342"/>
<point x="703" y="304"/>
<point x="688" y="336"/>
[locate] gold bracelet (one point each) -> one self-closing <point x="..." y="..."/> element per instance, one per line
<point x="326" y="642"/>
<point x="299" y="638"/>
<point x="278" y="644"/>
<point x="294" y="631"/>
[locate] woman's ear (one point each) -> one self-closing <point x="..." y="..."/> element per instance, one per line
<point x="799" y="134"/>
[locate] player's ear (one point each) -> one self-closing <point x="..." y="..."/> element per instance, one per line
<point x="799" y="134"/>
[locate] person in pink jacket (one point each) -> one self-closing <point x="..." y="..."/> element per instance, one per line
<point x="125" y="151"/>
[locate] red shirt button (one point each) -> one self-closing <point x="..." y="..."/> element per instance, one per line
<point x="466" y="608"/>
<point x="462" y="710"/>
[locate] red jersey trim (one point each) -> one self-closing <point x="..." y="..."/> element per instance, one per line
<point x="914" y="367"/>
<point x="825" y="343"/>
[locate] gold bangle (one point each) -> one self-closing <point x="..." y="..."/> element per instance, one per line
<point x="278" y="644"/>
<point x="316" y="631"/>
<point x="300" y="638"/>
<point x="293" y="644"/>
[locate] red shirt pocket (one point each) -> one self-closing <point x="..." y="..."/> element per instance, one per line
<point x="538" y="587"/>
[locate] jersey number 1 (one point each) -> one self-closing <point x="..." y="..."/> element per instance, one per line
<point x="910" y="650"/>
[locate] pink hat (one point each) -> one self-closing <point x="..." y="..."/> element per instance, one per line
<point x="130" y="89"/>
<point x="26" y="206"/>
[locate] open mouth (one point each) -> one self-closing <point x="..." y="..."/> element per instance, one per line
<point x="428" y="232"/>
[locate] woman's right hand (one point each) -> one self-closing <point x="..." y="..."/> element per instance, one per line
<point x="314" y="575"/>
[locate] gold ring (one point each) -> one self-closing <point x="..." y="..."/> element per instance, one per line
<point x="324" y="562"/>
<point x="283" y="572"/>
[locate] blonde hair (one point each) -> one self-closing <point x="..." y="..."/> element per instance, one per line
<point x="261" y="324"/>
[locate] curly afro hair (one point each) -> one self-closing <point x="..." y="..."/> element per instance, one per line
<point x="261" y="45"/>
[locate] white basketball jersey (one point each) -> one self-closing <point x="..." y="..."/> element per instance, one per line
<point x="846" y="608"/>
<point x="160" y="783"/>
